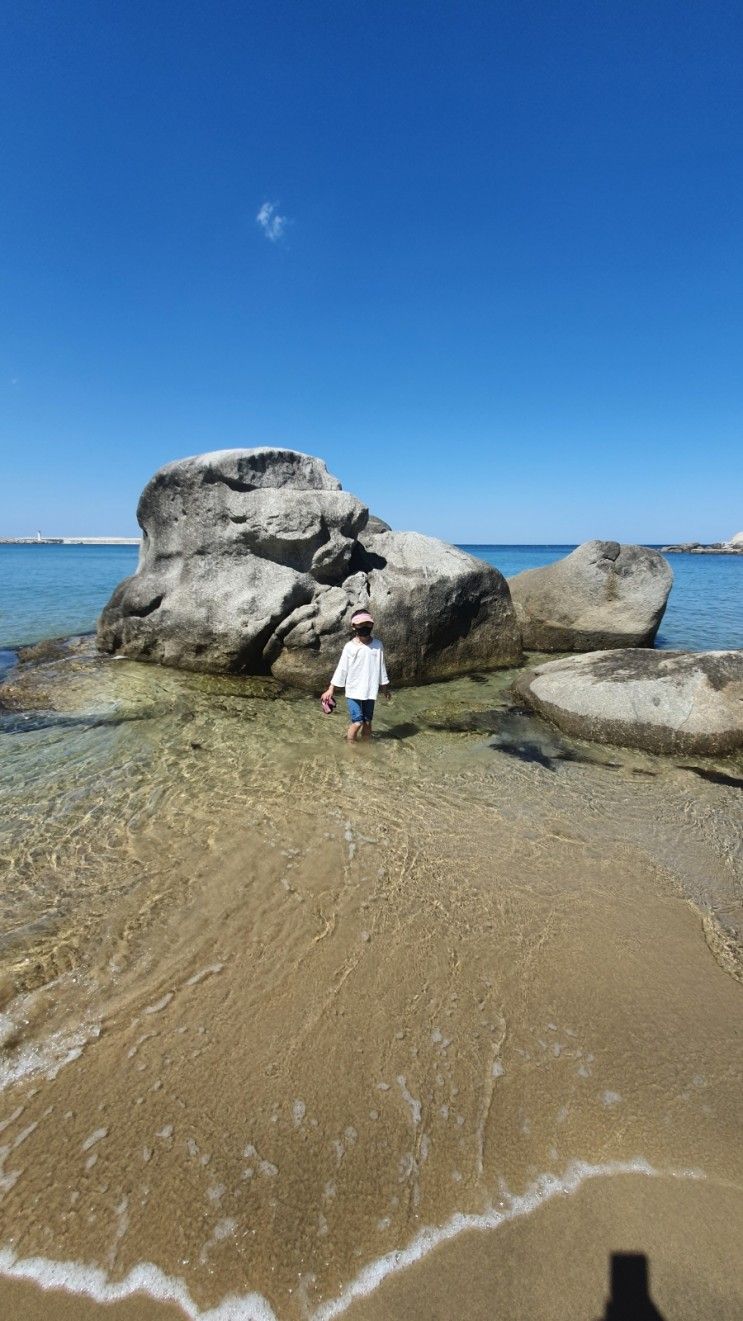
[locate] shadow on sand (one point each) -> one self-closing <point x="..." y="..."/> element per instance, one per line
<point x="405" y="730"/>
<point x="629" y="1299"/>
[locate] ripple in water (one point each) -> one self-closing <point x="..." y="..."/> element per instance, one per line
<point x="332" y="1000"/>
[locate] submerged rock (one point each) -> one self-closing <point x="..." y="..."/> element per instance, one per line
<point x="253" y="561"/>
<point x="514" y="731"/>
<point x="601" y="595"/>
<point x="463" y="718"/>
<point x="661" y="701"/>
<point x="81" y="688"/>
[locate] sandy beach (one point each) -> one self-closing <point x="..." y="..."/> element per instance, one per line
<point x="276" y="1010"/>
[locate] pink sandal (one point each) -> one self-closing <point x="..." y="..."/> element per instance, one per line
<point x="328" y="705"/>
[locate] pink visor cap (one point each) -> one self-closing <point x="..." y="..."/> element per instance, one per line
<point x="361" y="617"/>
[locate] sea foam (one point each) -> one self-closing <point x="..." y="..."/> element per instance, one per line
<point x="46" y="1059"/>
<point x="541" y="1191"/>
<point x="93" y="1282"/>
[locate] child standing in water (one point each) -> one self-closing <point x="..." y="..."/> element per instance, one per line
<point x="361" y="671"/>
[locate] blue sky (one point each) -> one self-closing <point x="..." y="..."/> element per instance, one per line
<point x="497" y="283"/>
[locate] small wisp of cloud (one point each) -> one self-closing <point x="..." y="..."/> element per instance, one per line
<point x="272" y="224"/>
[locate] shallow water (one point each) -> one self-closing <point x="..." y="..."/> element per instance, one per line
<point x="273" y="1006"/>
<point x="53" y="591"/>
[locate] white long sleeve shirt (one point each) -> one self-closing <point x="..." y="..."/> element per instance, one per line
<point x="361" y="670"/>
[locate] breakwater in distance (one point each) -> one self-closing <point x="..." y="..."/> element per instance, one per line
<point x="70" y="541"/>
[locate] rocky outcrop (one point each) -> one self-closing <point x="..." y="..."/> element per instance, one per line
<point x="662" y="701"/>
<point x="252" y="561"/>
<point x="732" y="547"/>
<point x="601" y="595"/>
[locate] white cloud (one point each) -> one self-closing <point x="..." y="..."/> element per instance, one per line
<point x="272" y="224"/>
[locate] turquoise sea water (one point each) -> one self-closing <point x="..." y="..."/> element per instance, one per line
<point x="53" y="591"/>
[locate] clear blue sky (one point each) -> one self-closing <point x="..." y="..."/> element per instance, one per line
<point x="498" y="285"/>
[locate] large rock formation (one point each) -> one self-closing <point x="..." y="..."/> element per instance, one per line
<point x="663" y="701"/>
<point x="253" y="561"/>
<point x="601" y="595"/>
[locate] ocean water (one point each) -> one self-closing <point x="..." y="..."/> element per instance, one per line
<point x="279" y="1015"/>
<point x="53" y="591"/>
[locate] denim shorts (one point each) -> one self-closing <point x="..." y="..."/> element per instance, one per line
<point x="361" y="713"/>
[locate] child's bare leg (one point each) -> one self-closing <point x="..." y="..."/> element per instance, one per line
<point x="366" y="729"/>
<point x="353" y="730"/>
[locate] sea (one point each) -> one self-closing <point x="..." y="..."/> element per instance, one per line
<point x="282" y="1018"/>
<point x="56" y="591"/>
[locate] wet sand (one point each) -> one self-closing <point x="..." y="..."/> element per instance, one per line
<point x="27" y="1302"/>
<point x="556" y="1263"/>
<point x="276" y="1010"/>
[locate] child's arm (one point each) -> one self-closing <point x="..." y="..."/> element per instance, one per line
<point x="339" y="678"/>
<point x="384" y="683"/>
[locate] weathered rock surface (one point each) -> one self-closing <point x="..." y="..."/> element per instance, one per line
<point x="253" y="561"/>
<point x="376" y="525"/>
<point x="601" y="595"/>
<point x="662" y="701"/>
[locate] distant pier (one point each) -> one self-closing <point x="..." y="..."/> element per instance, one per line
<point x="70" y="541"/>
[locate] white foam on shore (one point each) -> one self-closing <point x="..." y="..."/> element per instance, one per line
<point x="47" y="1058"/>
<point x="541" y="1191"/>
<point x="94" y="1283"/>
